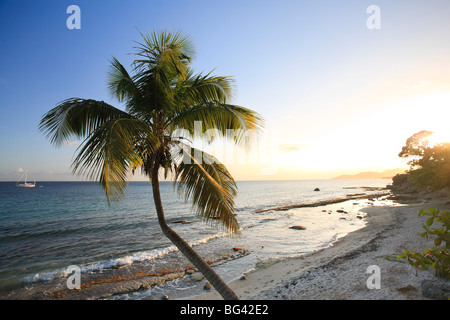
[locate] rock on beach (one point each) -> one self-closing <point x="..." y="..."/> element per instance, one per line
<point x="298" y="227"/>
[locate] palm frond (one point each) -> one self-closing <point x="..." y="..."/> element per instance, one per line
<point x="230" y="121"/>
<point x="163" y="59"/>
<point x="112" y="151"/>
<point x="125" y="88"/>
<point x="174" y="45"/>
<point x="197" y="89"/>
<point x="78" y="118"/>
<point x="164" y="56"/>
<point x="208" y="184"/>
<point x="120" y="83"/>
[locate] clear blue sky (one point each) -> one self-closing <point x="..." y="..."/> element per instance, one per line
<point x="309" y="67"/>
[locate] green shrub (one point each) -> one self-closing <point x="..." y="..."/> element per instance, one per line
<point x="437" y="178"/>
<point x="437" y="258"/>
<point x="399" y="179"/>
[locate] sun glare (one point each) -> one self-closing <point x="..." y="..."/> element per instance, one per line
<point x="437" y="117"/>
<point x="439" y="137"/>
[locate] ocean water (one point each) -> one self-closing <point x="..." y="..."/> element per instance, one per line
<point x="45" y="229"/>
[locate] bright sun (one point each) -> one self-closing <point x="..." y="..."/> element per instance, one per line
<point x="437" y="117"/>
<point x="439" y="137"/>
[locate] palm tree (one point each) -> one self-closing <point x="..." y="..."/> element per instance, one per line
<point x="162" y="96"/>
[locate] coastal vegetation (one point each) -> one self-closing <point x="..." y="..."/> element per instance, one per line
<point x="430" y="171"/>
<point x="438" y="257"/>
<point x="429" y="163"/>
<point x="164" y="98"/>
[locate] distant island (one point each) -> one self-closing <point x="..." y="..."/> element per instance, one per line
<point x="386" y="174"/>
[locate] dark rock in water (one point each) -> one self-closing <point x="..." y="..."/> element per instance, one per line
<point x="298" y="227"/>
<point x="316" y="189"/>
<point x="207" y="286"/>
<point x="438" y="289"/>
<point x="182" y="221"/>
<point x="341" y="211"/>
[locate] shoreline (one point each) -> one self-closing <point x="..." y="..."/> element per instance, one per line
<point x="122" y="279"/>
<point x="358" y="196"/>
<point x="340" y="272"/>
<point x="313" y="275"/>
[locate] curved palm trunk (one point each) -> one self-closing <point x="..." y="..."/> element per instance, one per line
<point x="217" y="282"/>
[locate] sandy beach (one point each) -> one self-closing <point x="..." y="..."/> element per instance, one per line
<point x="340" y="272"/>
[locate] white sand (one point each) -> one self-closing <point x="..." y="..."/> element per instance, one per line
<point x="340" y="272"/>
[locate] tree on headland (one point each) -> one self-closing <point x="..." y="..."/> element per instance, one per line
<point x="414" y="147"/>
<point x="162" y="96"/>
<point x="429" y="164"/>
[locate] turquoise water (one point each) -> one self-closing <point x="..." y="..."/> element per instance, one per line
<point x="56" y="224"/>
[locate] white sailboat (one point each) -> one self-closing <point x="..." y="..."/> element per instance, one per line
<point x="25" y="184"/>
